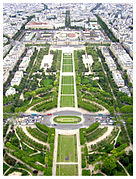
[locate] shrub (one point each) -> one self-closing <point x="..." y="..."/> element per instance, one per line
<point x="86" y="173"/>
<point x="92" y="127"/>
<point x="83" y="161"/>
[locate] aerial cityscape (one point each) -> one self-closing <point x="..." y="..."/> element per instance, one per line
<point x="67" y="89"/>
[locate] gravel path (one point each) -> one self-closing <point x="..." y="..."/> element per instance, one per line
<point x="123" y="168"/>
<point x="55" y="153"/>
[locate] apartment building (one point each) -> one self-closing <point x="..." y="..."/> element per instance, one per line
<point x="17" y="78"/>
<point x="118" y="79"/>
<point x="24" y="64"/>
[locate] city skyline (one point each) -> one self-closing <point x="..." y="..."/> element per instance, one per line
<point x="68" y="89"/>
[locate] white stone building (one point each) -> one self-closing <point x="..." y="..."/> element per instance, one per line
<point x="17" y="78"/>
<point x="118" y="79"/>
<point x="10" y="91"/>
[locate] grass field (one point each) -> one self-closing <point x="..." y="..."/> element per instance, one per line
<point x="67" y="148"/>
<point x="67" y="80"/>
<point x="67" y="89"/>
<point x="67" y="170"/>
<point x="67" y="55"/>
<point x="67" y="61"/>
<point x="67" y="68"/>
<point x="67" y="101"/>
<point x="67" y="119"/>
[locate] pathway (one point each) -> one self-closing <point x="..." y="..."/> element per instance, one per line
<point x="55" y="153"/>
<point x="74" y="75"/>
<point x="130" y="144"/>
<point x="123" y="168"/>
<point x="59" y="91"/>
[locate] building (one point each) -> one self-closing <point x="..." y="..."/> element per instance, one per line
<point x="125" y="90"/>
<point x="87" y="60"/>
<point x="38" y="25"/>
<point x="29" y="52"/>
<point x="11" y="59"/>
<point x="5" y="75"/>
<point x="105" y="51"/>
<point x="10" y="91"/>
<point x="67" y="38"/>
<point x="110" y="62"/>
<point x="17" y="78"/>
<point x="130" y="75"/>
<point x="124" y="59"/>
<point x="118" y="79"/>
<point x="47" y="61"/>
<point x="24" y="64"/>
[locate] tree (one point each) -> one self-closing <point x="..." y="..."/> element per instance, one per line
<point x="109" y="164"/>
<point x="127" y="109"/>
<point x="108" y="147"/>
<point x="111" y="110"/>
<point x="86" y="173"/>
<point x="130" y="85"/>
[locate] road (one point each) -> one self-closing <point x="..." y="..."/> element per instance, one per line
<point x="87" y="119"/>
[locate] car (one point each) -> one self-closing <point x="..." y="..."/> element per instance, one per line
<point x="49" y="114"/>
<point x="55" y="124"/>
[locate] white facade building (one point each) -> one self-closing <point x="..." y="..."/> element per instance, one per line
<point x="47" y="61"/>
<point x="17" y="78"/>
<point x="111" y="64"/>
<point x="130" y="75"/>
<point x="123" y="58"/>
<point x="118" y="79"/>
<point x="24" y="64"/>
<point x="10" y="91"/>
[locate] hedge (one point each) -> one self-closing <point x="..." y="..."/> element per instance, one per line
<point x="37" y="134"/>
<point x="82" y="136"/>
<point x="92" y="127"/>
<point x="42" y="127"/>
<point x="83" y="161"/>
<point x="95" y="135"/>
<point x="20" y="154"/>
<point x="28" y="140"/>
<point x="86" y="173"/>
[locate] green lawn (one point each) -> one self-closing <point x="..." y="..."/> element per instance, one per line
<point x="67" y="148"/>
<point x="67" y="170"/>
<point x="67" y="55"/>
<point x="96" y="134"/>
<point x="46" y="82"/>
<point x="67" y="101"/>
<point x="67" y="61"/>
<point x="67" y="68"/>
<point x="67" y="89"/>
<point x="67" y="119"/>
<point x="67" y="80"/>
